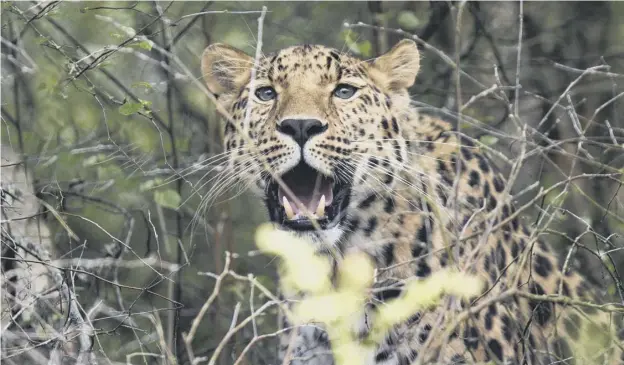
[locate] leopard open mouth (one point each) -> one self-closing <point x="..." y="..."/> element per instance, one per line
<point x="310" y="200"/>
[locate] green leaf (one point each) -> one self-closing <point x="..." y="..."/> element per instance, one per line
<point x="143" y="44"/>
<point x="128" y="30"/>
<point x="144" y="84"/>
<point x="67" y="136"/>
<point x="237" y="38"/>
<point x="146" y="44"/>
<point x="93" y="160"/>
<point x="488" y="140"/>
<point x="168" y="198"/>
<point x="366" y="48"/>
<point x="408" y="20"/>
<point x="130" y="108"/>
<point x="363" y="48"/>
<point x="150" y="184"/>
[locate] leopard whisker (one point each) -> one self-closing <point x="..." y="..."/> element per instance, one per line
<point x="227" y="175"/>
<point x="200" y="165"/>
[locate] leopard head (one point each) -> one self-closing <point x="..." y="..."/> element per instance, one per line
<point x="312" y="129"/>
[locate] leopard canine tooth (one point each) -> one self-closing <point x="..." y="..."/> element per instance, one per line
<point x="290" y="213"/>
<point x="320" y="209"/>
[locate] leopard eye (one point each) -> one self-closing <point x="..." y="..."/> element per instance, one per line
<point x="344" y="91"/>
<point x="266" y="93"/>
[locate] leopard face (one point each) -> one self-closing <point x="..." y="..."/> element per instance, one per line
<point x="311" y="129"/>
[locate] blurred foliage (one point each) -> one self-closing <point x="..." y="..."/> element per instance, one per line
<point x="340" y="308"/>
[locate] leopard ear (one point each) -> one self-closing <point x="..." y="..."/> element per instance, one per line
<point x="400" y="64"/>
<point x="225" y="68"/>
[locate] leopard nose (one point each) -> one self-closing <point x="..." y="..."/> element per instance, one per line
<point x="301" y="130"/>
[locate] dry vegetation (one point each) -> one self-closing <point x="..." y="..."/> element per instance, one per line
<point x="124" y="241"/>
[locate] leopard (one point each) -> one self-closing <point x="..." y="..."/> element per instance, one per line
<point x="334" y="147"/>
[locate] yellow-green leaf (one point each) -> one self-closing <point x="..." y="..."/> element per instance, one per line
<point x="150" y="184"/>
<point x="93" y="160"/>
<point x="488" y="140"/>
<point x="145" y="85"/>
<point x="143" y="44"/>
<point x="130" y="108"/>
<point x="408" y="20"/>
<point x="168" y="198"/>
<point x="366" y="48"/>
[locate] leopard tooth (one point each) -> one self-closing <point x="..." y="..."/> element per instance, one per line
<point x="320" y="209"/>
<point x="290" y="213"/>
